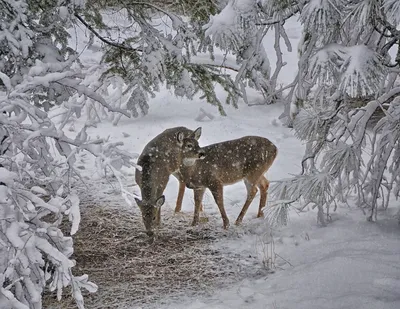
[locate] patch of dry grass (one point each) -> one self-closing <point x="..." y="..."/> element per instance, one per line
<point x="113" y="250"/>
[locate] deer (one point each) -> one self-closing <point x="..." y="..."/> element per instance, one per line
<point x="160" y="158"/>
<point x="217" y="165"/>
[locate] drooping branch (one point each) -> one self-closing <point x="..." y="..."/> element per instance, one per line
<point x="385" y="23"/>
<point x="94" y="96"/>
<point x="104" y="40"/>
<point x="171" y="16"/>
<point x="295" y="8"/>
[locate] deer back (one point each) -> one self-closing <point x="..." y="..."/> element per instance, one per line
<point x="229" y="162"/>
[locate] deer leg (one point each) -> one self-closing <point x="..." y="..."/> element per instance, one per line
<point x="218" y="194"/>
<point x="161" y="187"/>
<point x="198" y="197"/>
<point x="158" y="220"/>
<point x="179" y="200"/>
<point x="251" y="193"/>
<point x="263" y="185"/>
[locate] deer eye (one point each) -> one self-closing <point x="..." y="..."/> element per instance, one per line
<point x="190" y="146"/>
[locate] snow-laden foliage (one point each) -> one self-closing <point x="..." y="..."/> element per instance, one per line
<point x="144" y="45"/>
<point x="392" y="10"/>
<point x="37" y="70"/>
<point x="345" y="106"/>
<point x="27" y="35"/>
<point x="322" y="15"/>
<point x="34" y="251"/>
<point x="356" y="70"/>
<point x="240" y="28"/>
<point x="148" y="46"/>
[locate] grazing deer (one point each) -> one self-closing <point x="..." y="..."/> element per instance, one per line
<point x="225" y="163"/>
<point x="160" y="158"/>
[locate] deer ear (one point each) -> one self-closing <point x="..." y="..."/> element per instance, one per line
<point x="180" y="137"/>
<point x="138" y="202"/>
<point x="160" y="201"/>
<point x="197" y="133"/>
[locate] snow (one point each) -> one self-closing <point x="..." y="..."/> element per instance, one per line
<point x="74" y="213"/>
<point x="360" y="57"/>
<point x="6" y="176"/>
<point x="225" y="20"/>
<point x="63" y="12"/>
<point x="393" y="9"/>
<point x="224" y="27"/>
<point x="6" y="80"/>
<point x="38" y="190"/>
<point x="350" y="263"/>
<point x="13" y="233"/>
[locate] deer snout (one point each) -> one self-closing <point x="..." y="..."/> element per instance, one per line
<point x="202" y="155"/>
<point x="150" y="233"/>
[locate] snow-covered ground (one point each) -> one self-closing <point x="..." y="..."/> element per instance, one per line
<point x="350" y="263"/>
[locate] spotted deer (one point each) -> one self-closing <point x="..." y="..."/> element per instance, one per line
<point x="160" y="158"/>
<point x="217" y="165"/>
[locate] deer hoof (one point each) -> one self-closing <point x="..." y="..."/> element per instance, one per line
<point x="238" y="222"/>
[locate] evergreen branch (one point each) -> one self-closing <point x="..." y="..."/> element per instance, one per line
<point x="389" y="26"/>
<point x="223" y="66"/>
<point x="383" y="32"/>
<point x="11" y="12"/>
<point x="290" y="86"/>
<point x="389" y="45"/>
<point x="171" y="16"/>
<point x="213" y="64"/>
<point x="104" y="40"/>
<point x="281" y="20"/>
<point x="94" y="96"/>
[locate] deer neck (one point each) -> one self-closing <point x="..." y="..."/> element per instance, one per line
<point x="154" y="176"/>
<point x="187" y="170"/>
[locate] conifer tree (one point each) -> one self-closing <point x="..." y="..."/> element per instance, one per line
<point x="346" y="106"/>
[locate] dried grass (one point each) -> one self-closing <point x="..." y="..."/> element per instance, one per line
<point x="132" y="271"/>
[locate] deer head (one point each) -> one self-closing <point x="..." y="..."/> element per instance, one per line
<point x="152" y="175"/>
<point x="191" y="151"/>
<point x="150" y="213"/>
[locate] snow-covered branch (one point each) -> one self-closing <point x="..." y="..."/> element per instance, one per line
<point x="37" y="158"/>
<point x="345" y="107"/>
